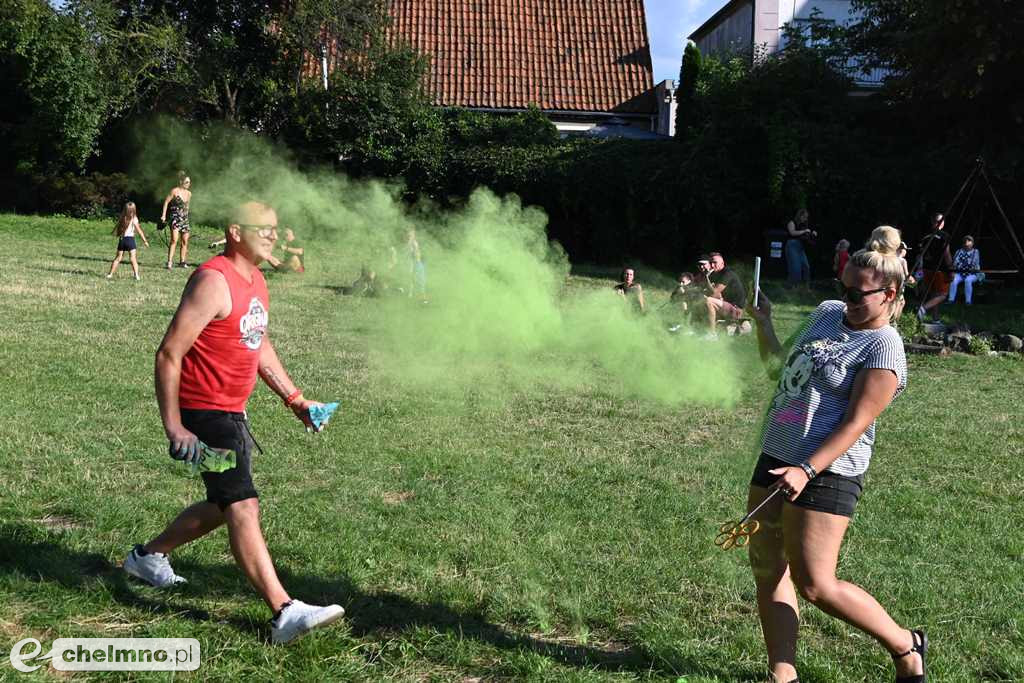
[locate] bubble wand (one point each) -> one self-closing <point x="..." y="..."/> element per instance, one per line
<point x="757" y="278"/>
<point x="737" y="534"/>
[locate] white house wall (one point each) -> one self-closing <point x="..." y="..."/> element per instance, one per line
<point x="772" y="15"/>
<point x="731" y="34"/>
<point x="757" y="25"/>
<point x="837" y="11"/>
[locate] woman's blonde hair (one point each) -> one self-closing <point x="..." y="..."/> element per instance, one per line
<point x="127" y="216"/>
<point x="879" y="254"/>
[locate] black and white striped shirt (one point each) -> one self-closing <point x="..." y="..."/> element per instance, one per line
<point x="815" y="387"/>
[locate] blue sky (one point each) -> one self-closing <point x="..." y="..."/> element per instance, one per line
<point x="668" y="24"/>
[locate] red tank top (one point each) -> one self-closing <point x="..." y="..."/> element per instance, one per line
<point x="844" y="257"/>
<point x="219" y="372"/>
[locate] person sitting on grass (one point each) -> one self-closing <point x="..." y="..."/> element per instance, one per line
<point x="367" y="284"/>
<point x="844" y="368"/>
<point x="628" y="288"/>
<point x="966" y="269"/>
<point x="206" y="368"/>
<point x="127" y="226"/>
<point x="726" y="297"/>
<point x="685" y="298"/>
<point x="686" y="292"/>
<point x="292" y="261"/>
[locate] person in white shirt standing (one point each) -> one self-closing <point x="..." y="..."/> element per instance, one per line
<point x="843" y="369"/>
<point x="127" y="226"/>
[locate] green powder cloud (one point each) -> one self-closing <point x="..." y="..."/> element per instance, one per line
<point x="499" y="318"/>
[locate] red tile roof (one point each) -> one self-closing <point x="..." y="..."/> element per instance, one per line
<point x="569" y="55"/>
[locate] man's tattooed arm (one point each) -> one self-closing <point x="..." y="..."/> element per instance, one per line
<point x="273" y="373"/>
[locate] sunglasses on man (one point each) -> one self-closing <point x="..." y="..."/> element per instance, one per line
<point x="854" y="295"/>
<point x="264" y="231"/>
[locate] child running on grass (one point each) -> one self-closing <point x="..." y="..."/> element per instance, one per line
<point x="127" y="225"/>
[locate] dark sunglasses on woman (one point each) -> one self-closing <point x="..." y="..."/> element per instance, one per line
<point x="854" y="295"/>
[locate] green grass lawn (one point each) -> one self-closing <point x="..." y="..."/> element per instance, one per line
<point x="563" y="533"/>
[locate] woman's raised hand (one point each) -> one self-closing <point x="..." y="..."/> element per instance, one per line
<point x="763" y="311"/>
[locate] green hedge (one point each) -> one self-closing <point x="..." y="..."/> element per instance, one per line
<point x="92" y="195"/>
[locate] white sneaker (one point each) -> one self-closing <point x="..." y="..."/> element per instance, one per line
<point x="297" y="619"/>
<point x="153" y="568"/>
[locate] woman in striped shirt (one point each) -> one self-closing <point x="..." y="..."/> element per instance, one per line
<point x="846" y="364"/>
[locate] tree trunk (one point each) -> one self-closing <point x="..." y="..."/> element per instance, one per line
<point x="230" y="113"/>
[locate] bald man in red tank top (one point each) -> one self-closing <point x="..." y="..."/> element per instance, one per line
<point x="206" y="368"/>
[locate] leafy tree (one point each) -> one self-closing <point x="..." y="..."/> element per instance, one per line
<point x="954" y="64"/>
<point x="64" y="73"/>
<point x="242" y="60"/>
<point x="341" y="27"/>
<point x="467" y="128"/>
<point x="373" y="116"/>
<point x="53" y="95"/>
<point x="227" y="65"/>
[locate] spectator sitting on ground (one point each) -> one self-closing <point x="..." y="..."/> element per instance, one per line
<point x="966" y="269"/>
<point x="292" y="261"/>
<point x="629" y="287"/>
<point x="366" y="284"/>
<point x="726" y="297"/>
<point x="686" y="292"/>
<point x="687" y="297"/>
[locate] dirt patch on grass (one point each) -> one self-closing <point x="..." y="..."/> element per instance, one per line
<point x="15" y="631"/>
<point x="59" y="522"/>
<point x="397" y="497"/>
<point x="34" y="292"/>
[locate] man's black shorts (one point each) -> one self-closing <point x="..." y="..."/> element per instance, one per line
<point x="220" y="429"/>
<point x="827" y="492"/>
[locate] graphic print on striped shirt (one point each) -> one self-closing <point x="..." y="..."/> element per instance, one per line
<point x="814" y="389"/>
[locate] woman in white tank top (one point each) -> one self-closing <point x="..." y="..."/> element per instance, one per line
<point x="127" y="225"/>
